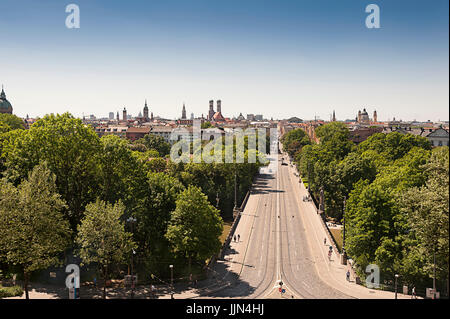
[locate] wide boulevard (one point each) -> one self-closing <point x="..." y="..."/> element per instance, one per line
<point x="273" y="244"/>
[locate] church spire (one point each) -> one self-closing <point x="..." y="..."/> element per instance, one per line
<point x="183" y="112"/>
<point x="146" y="118"/>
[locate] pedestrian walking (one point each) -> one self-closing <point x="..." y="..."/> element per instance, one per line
<point x="329" y="255"/>
<point x="234" y="238"/>
<point x="348" y="275"/>
<point x="152" y="292"/>
<point x="413" y="295"/>
<point x="325" y="241"/>
<point x="239" y="237"/>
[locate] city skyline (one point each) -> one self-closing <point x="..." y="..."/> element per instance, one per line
<point x="277" y="59"/>
<point x="112" y="115"/>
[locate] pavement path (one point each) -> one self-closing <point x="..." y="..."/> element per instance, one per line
<point x="332" y="272"/>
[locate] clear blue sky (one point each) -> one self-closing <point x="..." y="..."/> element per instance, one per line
<point x="279" y="58"/>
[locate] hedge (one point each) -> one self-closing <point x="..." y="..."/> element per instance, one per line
<point x="10" y="291"/>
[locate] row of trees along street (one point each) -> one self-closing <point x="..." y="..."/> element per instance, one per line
<point x="396" y="188"/>
<point x="66" y="192"/>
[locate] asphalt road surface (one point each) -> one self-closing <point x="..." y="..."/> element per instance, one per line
<point x="277" y="248"/>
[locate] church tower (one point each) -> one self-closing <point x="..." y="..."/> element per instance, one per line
<point x="211" y="110"/>
<point x="183" y="113"/>
<point x="146" y="111"/>
<point x="334" y="117"/>
<point x="219" y="106"/>
<point x="375" y="117"/>
<point x="124" y="114"/>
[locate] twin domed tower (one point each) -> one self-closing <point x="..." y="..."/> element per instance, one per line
<point x="215" y="116"/>
<point x="363" y="117"/>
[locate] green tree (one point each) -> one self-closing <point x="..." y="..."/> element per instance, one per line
<point x="195" y="226"/>
<point x="71" y="151"/>
<point x="378" y="231"/>
<point x="7" y="139"/>
<point x="122" y="176"/>
<point x="427" y="210"/>
<point x="393" y="145"/>
<point x="206" y="125"/>
<point x="157" y="165"/>
<point x="294" y="140"/>
<point x="155" y="142"/>
<point x="102" y="238"/>
<point x="335" y="139"/>
<point x="12" y="121"/>
<point x="4" y="128"/>
<point x="154" y="217"/>
<point x="33" y="230"/>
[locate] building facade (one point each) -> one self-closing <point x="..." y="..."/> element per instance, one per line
<point x="439" y="137"/>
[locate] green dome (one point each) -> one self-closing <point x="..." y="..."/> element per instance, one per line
<point x="5" y="106"/>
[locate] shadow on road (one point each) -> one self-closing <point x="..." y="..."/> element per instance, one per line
<point x="261" y="185"/>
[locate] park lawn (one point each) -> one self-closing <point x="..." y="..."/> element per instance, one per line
<point x="226" y="231"/>
<point x="337" y="237"/>
<point x="304" y="181"/>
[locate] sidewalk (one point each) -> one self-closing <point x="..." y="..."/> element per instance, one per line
<point x="230" y="268"/>
<point x="331" y="272"/>
<point x="226" y="272"/>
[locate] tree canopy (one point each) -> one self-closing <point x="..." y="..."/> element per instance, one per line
<point x="102" y="238"/>
<point x="195" y="226"/>
<point x="397" y="199"/>
<point x="32" y="227"/>
<point x="294" y="140"/>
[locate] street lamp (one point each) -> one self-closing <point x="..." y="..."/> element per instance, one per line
<point x="235" y="209"/>
<point x="322" y="201"/>
<point x="309" y="177"/>
<point x="131" y="220"/>
<point x="235" y="190"/>
<point x="434" y="272"/>
<point x="396" y="276"/>
<point x="217" y="200"/>
<point x="344" y="253"/>
<point x="171" y="280"/>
